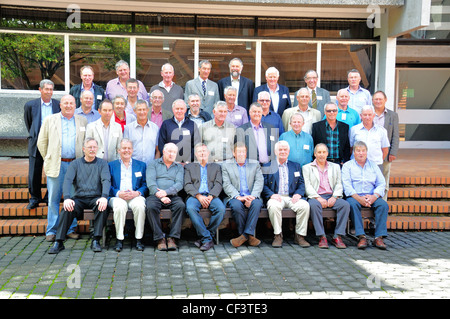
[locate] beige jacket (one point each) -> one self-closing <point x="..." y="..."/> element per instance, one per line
<point x="49" y="142"/>
<point x="312" y="179"/>
<point x="95" y="130"/>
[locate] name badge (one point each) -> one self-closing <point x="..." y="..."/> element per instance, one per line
<point x="284" y="96"/>
<point x="138" y="174"/>
<point x="116" y="135"/>
<point x="224" y="139"/>
<point x="344" y="116"/>
<point x="306" y="147"/>
<point x="82" y="129"/>
<point x="319" y="98"/>
<point x="186" y="132"/>
<point x="297" y="174"/>
<point x="99" y="97"/>
<point x="238" y="117"/>
<point x="211" y="93"/>
<point x="272" y="138"/>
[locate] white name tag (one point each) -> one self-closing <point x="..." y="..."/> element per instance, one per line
<point x="284" y="96"/>
<point x="186" y="132"/>
<point x="238" y="117"/>
<point x="116" y="135"/>
<point x="306" y="147"/>
<point x="224" y="139"/>
<point x="99" y="97"/>
<point x="272" y="138"/>
<point x="319" y="98"/>
<point x="344" y="116"/>
<point x="138" y="174"/>
<point x="297" y="174"/>
<point x="82" y="129"/>
<point x="211" y="93"/>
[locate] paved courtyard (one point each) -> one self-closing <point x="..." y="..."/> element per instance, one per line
<point x="416" y="265"/>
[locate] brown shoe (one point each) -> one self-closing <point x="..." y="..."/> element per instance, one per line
<point x="236" y="242"/>
<point x="362" y="243"/>
<point x="379" y="243"/>
<point x="162" y="245"/>
<point x="300" y="240"/>
<point x="171" y="245"/>
<point x="50" y="238"/>
<point x="253" y="241"/>
<point x="278" y="241"/>
<point x="73" y="235"/>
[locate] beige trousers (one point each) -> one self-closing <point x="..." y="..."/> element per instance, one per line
<point x="301" y="209"/>
<point x="120" y="208"/>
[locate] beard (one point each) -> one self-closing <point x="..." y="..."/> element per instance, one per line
<point x="235" y="74"/>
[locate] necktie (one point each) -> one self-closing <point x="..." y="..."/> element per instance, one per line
<point x="314" y="99"/>
<point x="204" y="87"/>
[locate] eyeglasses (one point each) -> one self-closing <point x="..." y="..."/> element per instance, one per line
<point x="331" y="111"/>
<point x="264" y="101"/>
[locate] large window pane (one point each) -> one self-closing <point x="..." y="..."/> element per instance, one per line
<point x="291" y="59"/>
<point x="285" y="27"/>
<point x="219" y="53"/>
<point x="151" y="54"/>
<point x="338" y="59"/>
<point x="26" y="59"/>
<point x="99" y="52"/>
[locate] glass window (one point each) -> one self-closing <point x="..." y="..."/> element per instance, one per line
<point x="338" y="59"/>
<point x="151" y="54"/>
<point x="164" y="23"/>
<point x="343" y="29"/>
<point x="101" y="53"/>
<point x="291" y="59"/>
<point x="26" y="59"/>
<point x="225" y="25"/>
<point x="219" y="53"/>
<point x="285" y="28"/>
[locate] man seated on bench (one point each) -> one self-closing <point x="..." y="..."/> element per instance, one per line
<point x="90" y="177"/>
<point x="203" y="185"/>
<point x="364" y="186"/>
<point x="128" y="190"/>
<point x="286" y="188"/>
<point x="242" y="183"/>
<point x="164" y="181"/>
<point x="324" y="190"/>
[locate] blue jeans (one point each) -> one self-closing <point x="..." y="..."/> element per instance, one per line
<point x="380" y="209"/>
<point x="217" y="209"/>
<point x="246" y="223"/>
<point x="55" y="190"/>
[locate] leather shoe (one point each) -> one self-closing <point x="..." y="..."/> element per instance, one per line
<point x="278" y="241"/>
<point x="162" y="246"/>
<point x="50" y="238"/>
<point x="323" y="243"/>
<point x="139" y="245"/>
<point x="253" y="241"/>
<point x="73" y="235"/>
<point x="338" y="243"/>
<point x="171" y="245"/>
<point x="119" y="245"/>
<point x="301" y="241"/>
<point x="56" y="248"/>
<point x="207" y="246"/>
<point x="379" y="243"/>
<point x="32" y="205"/>
<point x="238" y="241"/>
<point x="95" y="246"/>
<point x="198" y="243"/>
<point x="362" y="243"/>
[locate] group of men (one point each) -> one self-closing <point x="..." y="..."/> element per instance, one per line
<point x="210" y="146"/>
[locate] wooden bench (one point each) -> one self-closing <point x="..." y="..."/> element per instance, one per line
<point x="366" y="213"/>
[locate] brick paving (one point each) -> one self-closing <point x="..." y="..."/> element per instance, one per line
<point x="416" y="265"/>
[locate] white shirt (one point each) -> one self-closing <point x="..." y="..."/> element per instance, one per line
<point x="375" y="139"/>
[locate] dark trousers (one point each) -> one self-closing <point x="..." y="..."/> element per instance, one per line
<point x="35" y="165"/>
<point x="66" y="218"/>
<point x="246" y="222"/>
<point x="153" y="210"/>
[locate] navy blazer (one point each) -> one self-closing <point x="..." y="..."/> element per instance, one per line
<point x="296" y="182"/>
<point x="283" y="92"/>
<point x="245" y="94"/>
<point x="99" y="94"/>
<point x="32" y="117"/>
<point x="138" y="179"/>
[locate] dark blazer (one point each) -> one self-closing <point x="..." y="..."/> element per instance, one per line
<point x="391" y="126"/>
<point x="192" y="179"/>
<point x="319" y="135"/>
<point x="138" y="179"/>
<point x="99" y="94"/>
<point x="245" y="94"/>
<point x="244" y="133"/>
<point x="283" y="92"/>
<point x="296" y="182"/>
<point x="32" y="117"/>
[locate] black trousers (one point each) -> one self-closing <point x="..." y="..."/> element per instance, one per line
<point x="35" y="165"/>
<point x="153" y="210"/>
<point x="66" y="217"/>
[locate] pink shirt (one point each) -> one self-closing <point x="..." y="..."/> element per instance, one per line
<point x="157" y="118"/>
<point x="324" y="184"/>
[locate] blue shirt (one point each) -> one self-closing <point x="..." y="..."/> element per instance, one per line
<point x="349" y="116"/>
<point x="301" y="146"/>
<point x="92" y="116"/>
<point x="46" y="110"/>
<point x="243" y="186"/>
<point x="359" y="99"/>
<point x="68" y="138"/>
<point x="274" y="119"/>
<point x="362" y="180"/>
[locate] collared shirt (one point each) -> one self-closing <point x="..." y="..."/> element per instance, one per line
<point x="283" y="173"/>
<point x="375" y="139"/>
<point x="308" y="119"/>
<point x="199" y="120"/>
<point x="126" y="176"/>
<point x="69" y="135"/>
<point x="301" y="146"/>
<point x="275" y="97"/>
<point x="91" y="116"/>
<point x="324" y="183"/>
<point x="169" y="178"/>
<point x="332" y="141"/>
<point x="106" y="140"/>
<point x="145" y="140"/>
<point x="130" y="108"/>
<point x="237" y="116"/>
<point x="163" y="85"/>
<point x="243" y="186"/>
<point x="349" y="116"/>
<point x="156" y="118"/>
<point x="261" y="142"/>
<point x="273" y="119"/>
<point x="46" y="110"/>
<point x="203" y="180"/>
<point x="179" y="123"/>
<point x="235" y="84"/>
<point x="114" y="87"/>
<point x="379" y="119"/>
<point x="219" y="139"/>
<point x="358" y="99"/>
<point x="362" y="180"/>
